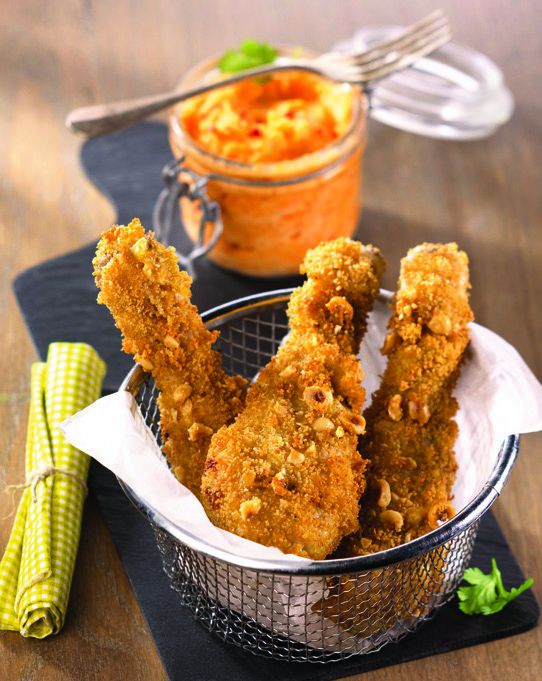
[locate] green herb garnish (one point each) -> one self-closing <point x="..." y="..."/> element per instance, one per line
<point x="251" y="55"/>
<point x="487" y="595"/>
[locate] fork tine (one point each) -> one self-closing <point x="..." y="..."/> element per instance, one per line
<point x="418" y="27"/>
<point x="405" y="43"/>
<point x="402" y="59"/>
<point x="410" y="33"/>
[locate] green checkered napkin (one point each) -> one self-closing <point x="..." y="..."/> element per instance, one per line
<point x="37" y="567"/>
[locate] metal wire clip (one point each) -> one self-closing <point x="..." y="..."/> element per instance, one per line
<point x="192" y="186"/>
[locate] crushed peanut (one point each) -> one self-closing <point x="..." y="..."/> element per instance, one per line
<point x="418" y="411"/>
<point x="186" y="409"/>
<point x="318" y="397"/>
<point x="236" y="404"/>
<point x="414" y="516"/>
<point x="406" y="462"/>
<point x="250" y="508"/>
<point x="279" y="484"/>
<point x="198" y="431"/>
<point x="280" y="409"/>
<point x="171" y="342"/>
<point x="395" y="411"/>
<point x="390" y="342"/>
<point x="440" y="323"/>
<point x="295" y="457"/>
<point x="182" y="393"/>
<point x="354" y="423"/>
<point x="393" y="518"/>
<point x="440" y="513"/>
<point x="384" y="493"/>
<point x="290" y="371"/>
<point x="322" y="423"/>
<point x="338" y="305"/>
<point x="145" y="363"/>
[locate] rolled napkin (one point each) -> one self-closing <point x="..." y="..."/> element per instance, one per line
<point x="37" y="567"/>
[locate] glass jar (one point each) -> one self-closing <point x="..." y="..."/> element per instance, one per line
<point x="274" y="212"/>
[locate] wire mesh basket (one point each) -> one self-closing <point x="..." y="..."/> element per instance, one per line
<point x="312" y="612"/>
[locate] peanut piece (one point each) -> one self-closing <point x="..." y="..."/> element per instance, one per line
<point x="236" y="404"/>
<point x="296" y="458"/>
<point x="250" y="508"/>
<point x="186" y="409"/>
<point x="395" y="411"/>
<point x="198" y="431"/>
<point x="338" y="305"/>
<point x="354" y="423"/>
<point x="392" y="518"/>
<point x="322" y="423"/>
<point x="171" y="342"/>
<point x="414" y="516"/>
<point x="318" y="397"/>
<point x="390" y="342"/>
<point x="418" y="411"/>
<point x="440" y="324"/>
<point x="288" y="372"/>
<point x="440" y="513"/>
<point x="279" y="484"/>
<point x="384" y="493"/>
<point x="145" y="363"/>
<point x="182" y="393"/>
<point x="280" y="409"/>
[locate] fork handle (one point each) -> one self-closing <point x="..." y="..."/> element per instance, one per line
<point x="101" y="119"/>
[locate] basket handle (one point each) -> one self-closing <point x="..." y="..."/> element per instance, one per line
<point x="167" y="207"/>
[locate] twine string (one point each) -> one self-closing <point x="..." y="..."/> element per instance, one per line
<point x="42" y="472"/>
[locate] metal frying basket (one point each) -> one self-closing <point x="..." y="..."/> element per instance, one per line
<point x="324" y="610"/>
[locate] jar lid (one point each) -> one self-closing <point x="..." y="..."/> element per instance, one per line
<point x="455" y="93"/>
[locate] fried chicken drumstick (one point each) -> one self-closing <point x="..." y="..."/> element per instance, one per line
<point x="410" y="428"/>
<point x="149" y="298"/>
<point x="287" y="472"/>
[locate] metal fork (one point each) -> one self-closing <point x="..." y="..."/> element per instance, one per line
<point x="364" y="68"/>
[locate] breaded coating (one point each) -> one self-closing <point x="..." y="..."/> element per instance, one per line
<point x="410" y="428"/>
<point x="149" y="298"/>
<point x="287" y="472"/>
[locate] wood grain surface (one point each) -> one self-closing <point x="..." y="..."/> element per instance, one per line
<point x="485" y="195"/>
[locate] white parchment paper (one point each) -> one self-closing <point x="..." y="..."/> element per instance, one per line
<point x="497" y="393"/>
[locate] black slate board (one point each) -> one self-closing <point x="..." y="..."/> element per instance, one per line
<point x="57" y="299"/>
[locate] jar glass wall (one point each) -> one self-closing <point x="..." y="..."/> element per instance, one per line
<point x="273" y="212"/>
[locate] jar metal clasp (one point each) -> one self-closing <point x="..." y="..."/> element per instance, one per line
<point x="184" y="183"/>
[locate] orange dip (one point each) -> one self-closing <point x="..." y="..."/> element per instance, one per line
<point x="284" y="156"/>
<point x="274" y="119"/>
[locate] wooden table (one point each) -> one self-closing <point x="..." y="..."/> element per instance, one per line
<point x="486" y="195"/>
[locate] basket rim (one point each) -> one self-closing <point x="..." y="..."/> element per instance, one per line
<point x="469" y="515"/>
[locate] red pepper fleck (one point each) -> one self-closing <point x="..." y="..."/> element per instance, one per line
<point x="255" y="132"/>
<point x="214" y="497"/>
<point x="210" y="465"/>
<point x="289" y="114"/>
